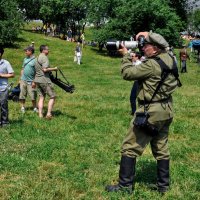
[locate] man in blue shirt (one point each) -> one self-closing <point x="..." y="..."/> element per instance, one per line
<point x="26" y="83"/>
<point x="6" y="72"/>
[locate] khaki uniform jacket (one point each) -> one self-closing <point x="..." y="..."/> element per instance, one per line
<point x="148" y="75"/>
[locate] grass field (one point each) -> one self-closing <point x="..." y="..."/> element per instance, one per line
<point x="77" y="153"/>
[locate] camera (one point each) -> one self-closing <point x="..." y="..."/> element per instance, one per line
<point x="116" y="45"/>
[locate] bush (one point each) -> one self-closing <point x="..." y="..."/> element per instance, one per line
<point x="10" y="21"/>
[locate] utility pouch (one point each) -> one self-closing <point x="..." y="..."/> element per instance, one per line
<point x="141" y="119"/>
<point x="141" y="122"/>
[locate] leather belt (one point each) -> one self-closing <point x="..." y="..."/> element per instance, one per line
<point x="142" y="102"/>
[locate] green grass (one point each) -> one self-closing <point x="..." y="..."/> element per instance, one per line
<point x="77" y="153"/>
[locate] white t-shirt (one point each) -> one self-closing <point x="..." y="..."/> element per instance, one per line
<point x="137" y="62"/>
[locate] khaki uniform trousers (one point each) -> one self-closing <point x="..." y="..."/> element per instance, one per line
<point x="136" y="141"/>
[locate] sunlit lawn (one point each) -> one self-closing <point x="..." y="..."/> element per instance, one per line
<point x="77" y="153"/>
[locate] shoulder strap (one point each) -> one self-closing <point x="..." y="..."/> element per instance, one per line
<point x="28" y="62"/>
<point x="166" y="69"/>
<point x="165" y="72"/>
<point x="164" y="75"/>
<point x="39" y="62"/>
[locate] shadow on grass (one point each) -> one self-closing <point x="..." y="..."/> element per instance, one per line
<point x="16" y="44"/>
<point x="30" y="31"/>
<point x="17" y="122"/>
<point x="40" y="33"/>
<point x="59" y="113"/>
<point x="146" y="172"/>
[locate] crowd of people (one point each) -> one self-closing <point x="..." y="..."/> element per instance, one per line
<point x="35" y="73"/>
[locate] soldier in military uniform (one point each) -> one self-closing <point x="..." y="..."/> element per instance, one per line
<point x="148" y="74"/>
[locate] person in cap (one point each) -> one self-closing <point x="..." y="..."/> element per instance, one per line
<point x="27" y="85"/>
<point x="6" y="72"/>
<point x="155" y="109"/>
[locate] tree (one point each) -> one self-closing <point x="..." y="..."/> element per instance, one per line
<point x="99" y="12"/>
<point x="10" y="21"/>
<point x="194" y="21"/>
<point x="180" y="8"/>
<point x="134" y="16"/>
<point x="30" y="8"/>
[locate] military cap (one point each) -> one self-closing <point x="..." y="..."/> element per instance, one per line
<point x="157" y="40"/>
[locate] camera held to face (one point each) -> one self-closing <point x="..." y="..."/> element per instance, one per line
<point x="116" y="45"/>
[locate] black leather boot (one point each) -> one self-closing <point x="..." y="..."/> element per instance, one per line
<point x="162" y="184"/>
<point x="126" y="176"/>
<point x="163" y="175"/>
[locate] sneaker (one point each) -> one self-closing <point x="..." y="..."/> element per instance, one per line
<point x="22" y="109"/>
<point x="35" y="110"/>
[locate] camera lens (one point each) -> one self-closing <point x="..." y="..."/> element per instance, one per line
<point x="111" y="46"/>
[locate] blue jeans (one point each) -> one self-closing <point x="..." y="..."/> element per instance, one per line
<point x="183" y="66"/>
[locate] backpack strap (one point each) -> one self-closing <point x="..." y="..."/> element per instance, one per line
<point x="166" y="70"/>
<point x="28" y="62"/>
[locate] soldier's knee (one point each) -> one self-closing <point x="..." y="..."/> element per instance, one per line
<point x="161" y="155"/>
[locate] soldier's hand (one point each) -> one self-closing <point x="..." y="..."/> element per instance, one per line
<point x="33" y="85"/>
<point x="123" y="50"/>
<point x="145" y="34"/>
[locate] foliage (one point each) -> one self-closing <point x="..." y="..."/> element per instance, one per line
<point x="134" y="16"/>
<point x="77" y="153"/>
<point x="194" y="20"/>
<point x="30" y="8"/>
<point x="10" y="21"/>
<point x="99" y="12"/>
<point x="180" y="8"/>
<point x="64" y="13"/>
<point x="112" y="18"/>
